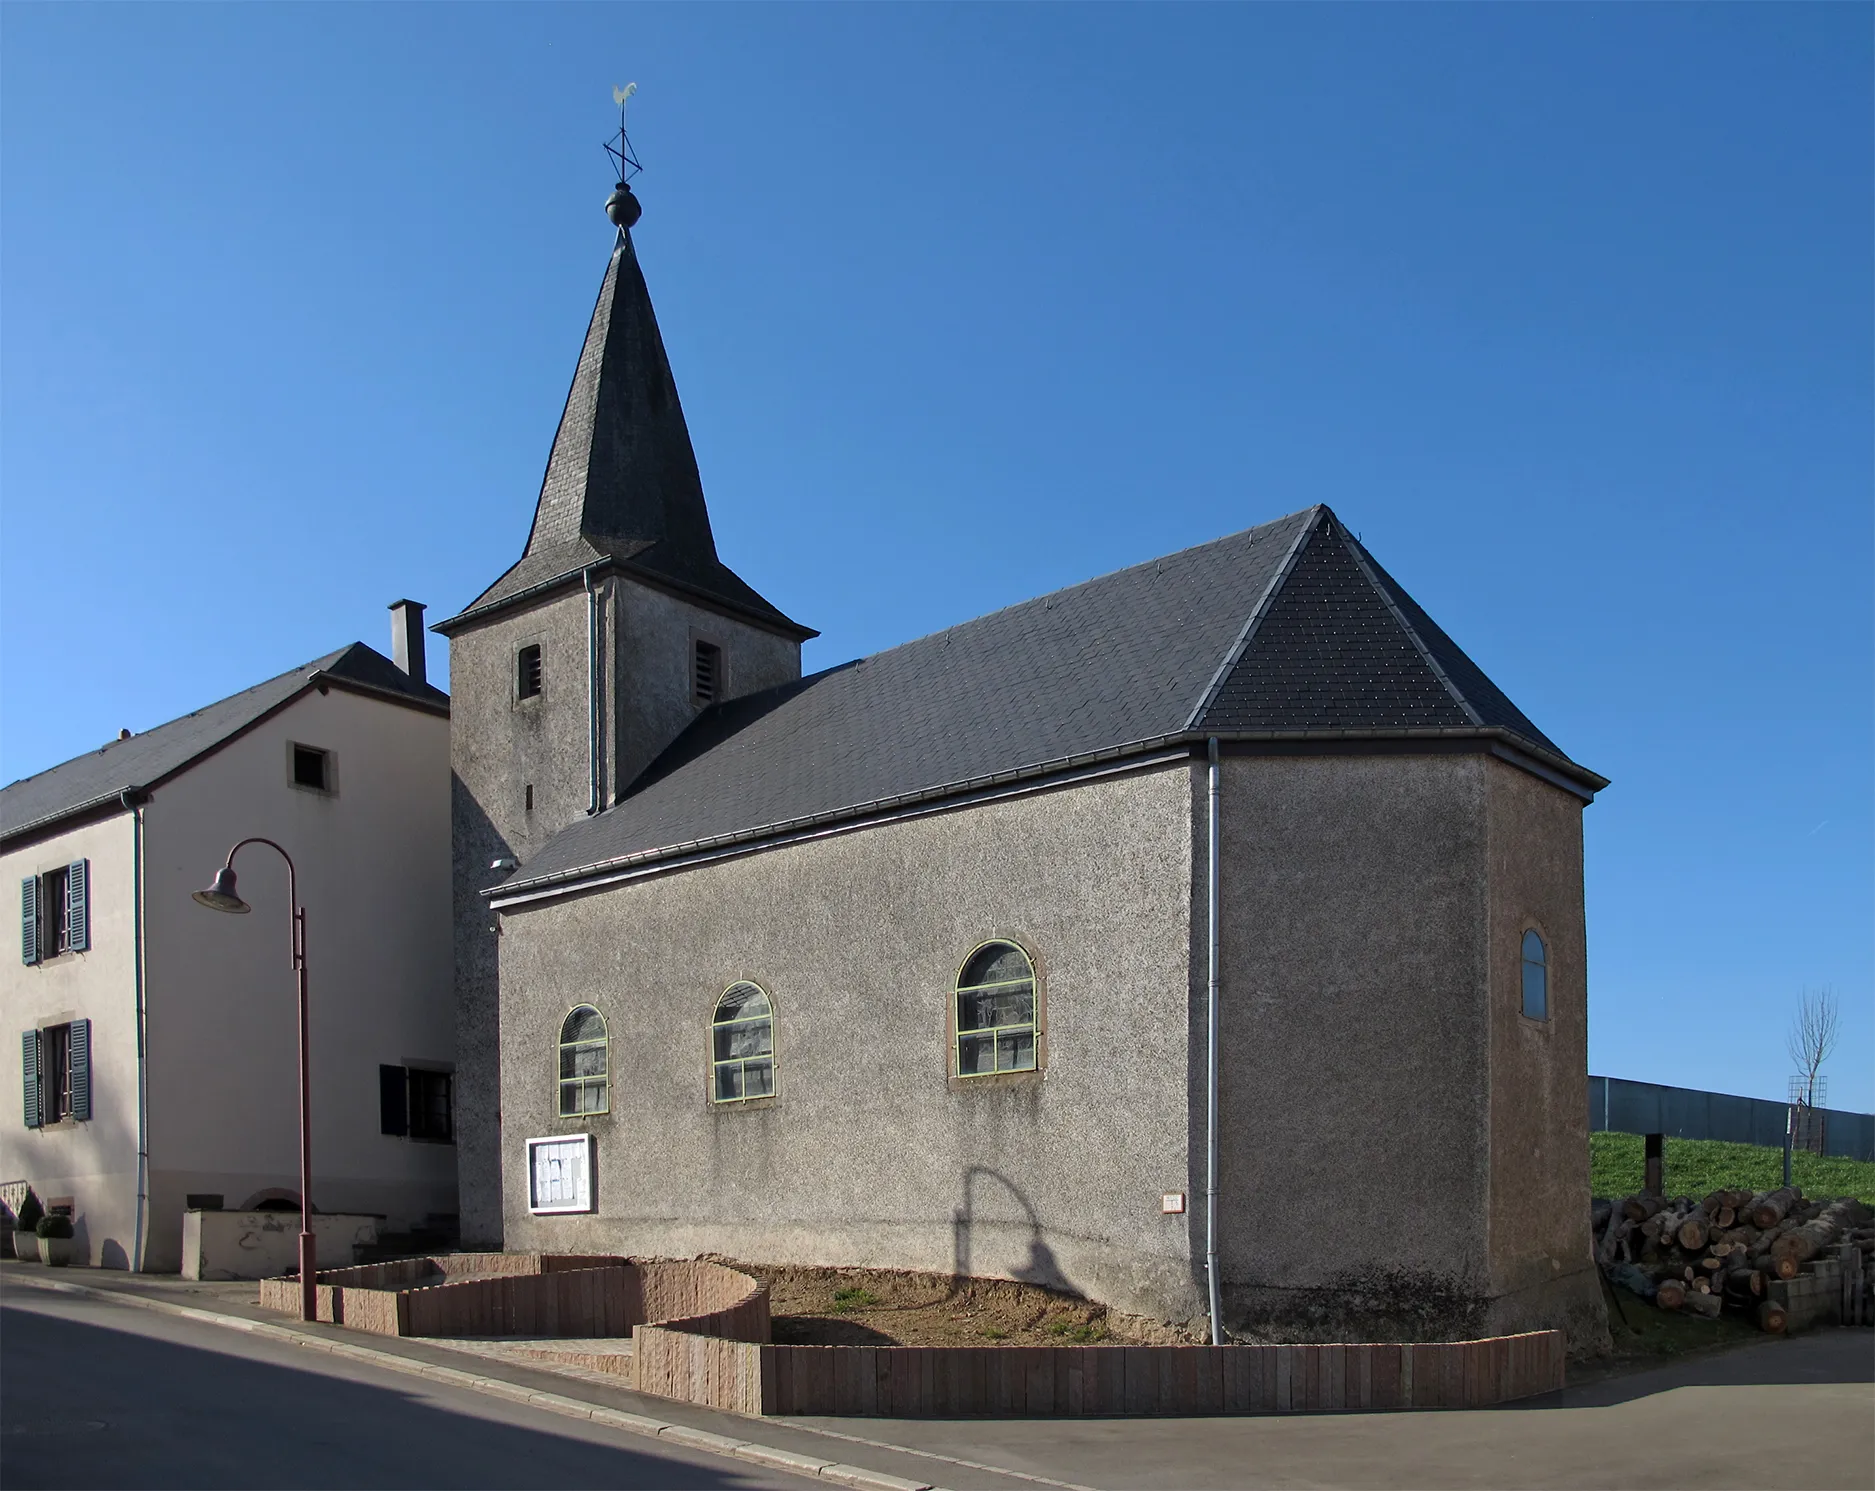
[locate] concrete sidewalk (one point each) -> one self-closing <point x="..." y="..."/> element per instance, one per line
<point x="1740" y="1418"/>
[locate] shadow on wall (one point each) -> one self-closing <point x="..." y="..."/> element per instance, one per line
<point x="1040" y="1267"/>
<point x="476" y="845"/>
<point x="273" y="1198"/>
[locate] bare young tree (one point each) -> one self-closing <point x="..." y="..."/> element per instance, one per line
<point x="1812" y="1037"/>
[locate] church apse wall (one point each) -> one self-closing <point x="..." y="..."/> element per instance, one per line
<point x="1354" y="1062"/>
<point x="871" y="1152"/>
<point x="1382" y="1092"/>
<point x="1539" y="1254"/>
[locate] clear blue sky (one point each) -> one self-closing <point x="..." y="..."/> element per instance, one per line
<point x="1566" y="309"/>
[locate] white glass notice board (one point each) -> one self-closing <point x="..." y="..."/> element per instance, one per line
<point x="560" y="1173"/>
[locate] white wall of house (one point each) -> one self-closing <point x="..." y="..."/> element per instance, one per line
<point x="374" y="866"/>
<point x="222" y="1101"/>
<point x="95" y="1162"/>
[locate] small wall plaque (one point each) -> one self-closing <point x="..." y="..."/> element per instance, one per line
<point x="1172" y="1203"/>
<point x="560" y="1173"/>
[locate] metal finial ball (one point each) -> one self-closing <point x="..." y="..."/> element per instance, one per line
<point x="622" y="207"/>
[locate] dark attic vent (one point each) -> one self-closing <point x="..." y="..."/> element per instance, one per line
<point x="706" y="672"/>
<point x="309" y="768"/>
<point x="527" y="672"/>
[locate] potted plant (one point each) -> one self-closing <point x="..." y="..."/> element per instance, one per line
<point x="55" y="1239"/>
<point x="25" y="1237"/>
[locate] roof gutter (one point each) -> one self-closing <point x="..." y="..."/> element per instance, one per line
<point x="1134" y="756"/>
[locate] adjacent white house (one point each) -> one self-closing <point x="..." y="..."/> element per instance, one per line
<point x="158" y="1040"/>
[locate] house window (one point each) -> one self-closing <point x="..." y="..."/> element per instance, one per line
<point x="742" y="1045"/>
<point x="55" y="912"/>
<point x="55" y="1068"/>
<point x="55" y="1072"/>
<point x="55" y="933"/>
<point x="527" y="673"/>
<point x="312" y="768"/>
<point x="706" y="672"/>
<point x="583" y="1048"/>
<point x="1535" y="977"/>
<point x="417" y="1102"/>
<point x="430" y="1106"/>
<point x="996" y="1012"/>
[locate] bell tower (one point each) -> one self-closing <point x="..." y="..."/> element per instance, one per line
<point x="569" y="675"/>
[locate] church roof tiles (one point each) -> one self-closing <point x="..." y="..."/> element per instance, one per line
<point x="1289" y="630"/>
<point x="621" y="486"/>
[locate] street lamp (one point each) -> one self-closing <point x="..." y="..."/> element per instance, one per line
<point x="222" y="896"/>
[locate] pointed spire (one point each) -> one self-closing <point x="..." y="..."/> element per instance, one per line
<point x="622" y="468"/>
<point x="621" y="488"/>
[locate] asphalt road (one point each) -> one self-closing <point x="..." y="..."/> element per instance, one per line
<point x="1796" y="1414"/>
<point x="93" y="1394"/>
<point x="96" y="1394"/>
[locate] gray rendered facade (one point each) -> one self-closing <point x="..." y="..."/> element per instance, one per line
<point x="1403" y="1151"/>
<point x="523" y="769"/>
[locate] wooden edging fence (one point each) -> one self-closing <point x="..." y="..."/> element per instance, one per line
<point x="532" y="1295"/>
<point x="1073" y="1381"/>
<point x="700" y="1334"/>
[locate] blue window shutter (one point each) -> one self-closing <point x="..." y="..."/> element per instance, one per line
<point x="29" y="920"/>
<point x="29" y="1073"/>
<point x="393" y="1100"/>
<point x="81" y="1069"/>
<point x="78" y="903"/>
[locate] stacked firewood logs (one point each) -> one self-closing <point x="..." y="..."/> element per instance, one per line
<point x="1720" y="1252"/>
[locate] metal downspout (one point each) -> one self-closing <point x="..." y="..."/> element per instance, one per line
<point x="592" y="694"/>
<point x="130" y="801"/>
<point x="1211" y="1055"/>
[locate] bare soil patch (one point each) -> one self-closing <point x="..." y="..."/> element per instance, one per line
<point x="890" y="1307"/>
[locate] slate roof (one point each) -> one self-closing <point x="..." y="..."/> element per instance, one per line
<point x="1285" y="630"/>
<point x="621" y="485"/>
<point x="98" y="777"/>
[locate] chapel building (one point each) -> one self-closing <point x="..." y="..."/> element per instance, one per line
<point x="1206" y="938"/>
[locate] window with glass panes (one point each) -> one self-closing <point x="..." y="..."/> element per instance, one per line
<point x="742" y="1045"/>
<point x="583" y="1050"/>
<point x="996" y="1012"/>
<point x="430" y="1115"/>
<point x="1535" y="977"/>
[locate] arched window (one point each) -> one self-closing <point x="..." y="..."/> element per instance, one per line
<point x="996" y="1012"/>
<point x="1535" y="977"/>
<point x="583" y="1063"/>
<point x="742" y="1045"/>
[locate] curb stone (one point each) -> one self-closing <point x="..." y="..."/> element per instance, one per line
<point x="870" y="1480"/>
<point x="612" y="1418"/>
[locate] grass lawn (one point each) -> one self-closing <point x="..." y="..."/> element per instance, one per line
<point x="1696" y="1166"/>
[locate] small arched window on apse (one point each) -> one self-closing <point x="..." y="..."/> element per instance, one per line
<point x="583" y="1061"/>
<point x="996" y="1012"/>
<point x="742" y="1045"/>
<point x="1535" y="977"/>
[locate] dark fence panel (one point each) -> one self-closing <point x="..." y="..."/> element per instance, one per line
<point x="1687" y="1113"/>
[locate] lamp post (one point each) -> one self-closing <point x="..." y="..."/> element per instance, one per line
<point x="221" y="896"/>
